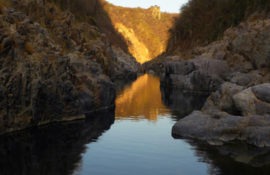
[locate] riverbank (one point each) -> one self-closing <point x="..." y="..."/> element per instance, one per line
<point x="234" y="72"/>
<point x="54" y="65"/>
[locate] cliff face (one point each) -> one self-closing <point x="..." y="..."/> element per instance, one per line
<point x="146" y="30"/>
<point x="137" y="48"/>
<point x="54" y="66"/>
<point x="233" y="71"/>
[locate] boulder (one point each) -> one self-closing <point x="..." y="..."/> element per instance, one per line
<point x="205" y="75"/>
<point x="212" y="67"/>
<point x="223" y="98"/>
<point x="223" y="128"/>
<point x="262" y="92"/>
<point x="214" y="129"/>
<point x="245" y="101"/>
<point x="246" y="79"/>
<point x="179" y="67"/>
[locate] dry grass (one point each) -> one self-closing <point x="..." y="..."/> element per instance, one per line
<point x="2" y="6"/>
<point x="29" y="48"/>
<point x="151" y="31"/>
<point x="4" y="3"/>
<point x="203" y="21"/>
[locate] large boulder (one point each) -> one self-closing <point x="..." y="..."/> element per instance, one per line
<point x="200" y="74"/>
<point x="223" y="128"/>
<point x="246" y="79"/>
<point x="222" y="99"/>
<point x="212" y="67"/>
<point x="247" y="102"/>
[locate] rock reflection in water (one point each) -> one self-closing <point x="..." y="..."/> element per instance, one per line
<point x="182" y="103"/>
<point x="234" y="158"/>
<point x="54" y="149"/>
<point x="142" y="99"/>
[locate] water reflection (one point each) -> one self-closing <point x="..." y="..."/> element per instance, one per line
<point x="182" y="103"/>
<point x="234" y="158"/>
<point x="129" y="147"/>
<point x="52" y="150"/>
<point x="142" y="99"/>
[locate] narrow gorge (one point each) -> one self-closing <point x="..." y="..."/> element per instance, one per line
<point x="90" y="87"/>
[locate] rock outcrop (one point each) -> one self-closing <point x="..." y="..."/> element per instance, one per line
<point x="235" y="72"/>
<point x="54" y="67"/>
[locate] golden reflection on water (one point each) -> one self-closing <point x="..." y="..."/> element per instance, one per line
<point x="141" y="100"/>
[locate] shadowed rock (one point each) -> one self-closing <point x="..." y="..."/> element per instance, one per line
<point x="55" y="149"/>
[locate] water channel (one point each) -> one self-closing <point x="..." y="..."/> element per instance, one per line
<point x="134" y="138"/>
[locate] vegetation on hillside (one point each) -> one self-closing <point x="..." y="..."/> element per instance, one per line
<point x="203" y="21"/>
<point x="151" y="28"/>
<point x="92" y="11"/>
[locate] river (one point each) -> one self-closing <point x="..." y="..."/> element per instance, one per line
<point x="135" y="138"/>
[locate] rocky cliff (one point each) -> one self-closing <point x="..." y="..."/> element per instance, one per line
<point x="146" y="30"/>
<point x="54" y="65"/>
<point x="234" y="72"/>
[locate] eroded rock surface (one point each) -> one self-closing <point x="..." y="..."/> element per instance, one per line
<point x="53" y="67"/>
<point x="235" y="72"/>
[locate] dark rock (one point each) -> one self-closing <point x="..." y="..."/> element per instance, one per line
<point x="179" y="68"/>
<point x="193" y="75"/>
<point x="54" y="149"/>
<point x="182" y="103"/>
<point x="46" y="71"/>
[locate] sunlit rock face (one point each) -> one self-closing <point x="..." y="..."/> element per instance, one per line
<point x="136" y="47"/>
<point x="146" y="31"/>
<point x="147" y="104"/>
<point x="155" y="12"/>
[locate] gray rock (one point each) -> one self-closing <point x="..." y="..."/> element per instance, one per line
<point x="254" y="45"/>
<point x="262" y="92"/>
<point x="245" y="101"/>
<point x="223" y="98"/>
<point x="224" y="128"/>
<point x="212" y="67"/>
<point x="246" y="79"/>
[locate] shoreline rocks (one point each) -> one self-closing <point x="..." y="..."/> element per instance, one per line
<point x="235" y="73"/>
<point x="54" y="67"/>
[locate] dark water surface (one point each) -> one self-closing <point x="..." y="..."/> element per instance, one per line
<point x="135" y="138"/>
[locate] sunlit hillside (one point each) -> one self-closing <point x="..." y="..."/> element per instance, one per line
<point x="146" y="31"/>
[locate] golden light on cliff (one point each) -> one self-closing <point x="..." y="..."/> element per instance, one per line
<point x="137" y="48"/>
<point x="141" y="100"/>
